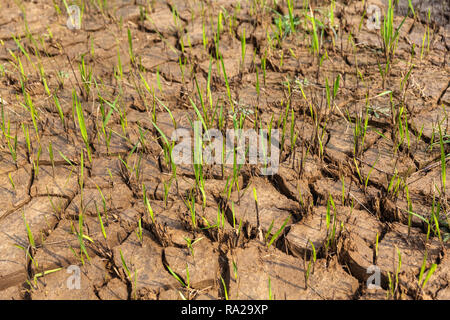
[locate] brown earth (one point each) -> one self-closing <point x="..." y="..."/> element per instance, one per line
<point x="339" y="203"/>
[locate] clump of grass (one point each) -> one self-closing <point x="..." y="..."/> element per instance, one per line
<point x="389" y="36"/>
<point x="286" y="24"/>
<point x="426" y="36"/>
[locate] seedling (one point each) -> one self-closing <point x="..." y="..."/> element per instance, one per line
<point x="124" y="264"/>
<point x="279" y="231"/>
<point x="429" y="274"/>
<point x="81" y="123"/>
<point x="258" y="225"/>
<point x="331" y="226"/>
<point x="270" y="290"/>
<point x="102" y="226"/>
<point x="224" y="288"/>
<point x="139" y="231"/>
<point x="191" y="243"/>
<point x="29" y="233"/>
<point x="311" y="263"/>
<point x="173" y="274"/>
<point x="147" y="204"/>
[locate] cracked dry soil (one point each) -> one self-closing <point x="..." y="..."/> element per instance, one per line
<point x="60" y="206"/>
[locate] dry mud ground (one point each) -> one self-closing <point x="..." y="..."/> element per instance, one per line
<point x="362" y="177"/>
